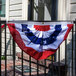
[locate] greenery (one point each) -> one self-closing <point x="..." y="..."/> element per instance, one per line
<point x="2" y="57"/>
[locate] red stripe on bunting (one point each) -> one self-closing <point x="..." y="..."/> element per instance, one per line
<point x="32" y="52"/>
<point x="69" y="28"/>
<point x="42" y="27"/>
<point x="2" y="26"/>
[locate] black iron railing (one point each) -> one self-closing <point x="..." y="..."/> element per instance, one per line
<point x="42" y="68"/>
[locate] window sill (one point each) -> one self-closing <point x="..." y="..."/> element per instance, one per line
<point x="2" y="18"/>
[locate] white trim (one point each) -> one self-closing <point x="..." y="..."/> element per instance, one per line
<point x="7" y="9"/>
<point x="2" y="18"/>
<point x="63" y="9"/>
<point x="24" y="9"/>
<point x="68" y="9"/>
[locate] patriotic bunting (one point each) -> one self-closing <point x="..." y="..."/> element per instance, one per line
<point x="40" y="40"/>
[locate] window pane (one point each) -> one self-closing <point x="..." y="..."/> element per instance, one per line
<point x="2" y="1"/>
<point x="2" y="8"/>
<point x="44" y="10"/>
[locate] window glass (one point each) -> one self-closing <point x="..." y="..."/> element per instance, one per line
<point x="2" y="8"/>
<point x="44" y="10"/>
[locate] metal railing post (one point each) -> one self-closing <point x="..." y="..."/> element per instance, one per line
<point x="14" y="52"/>
<point x="5" y="54"/>
<point x="0" y="48"/>
<point x="31" y="17"/>
<point x="22" y="63"/>
<point x="75" y="45"/>
<point x="65" y="56"/>
<point x="72" y="49"/>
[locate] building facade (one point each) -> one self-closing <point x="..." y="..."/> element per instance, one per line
<point x="40" y="10"/>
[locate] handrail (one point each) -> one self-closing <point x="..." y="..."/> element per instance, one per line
<point x="41" y="21"/>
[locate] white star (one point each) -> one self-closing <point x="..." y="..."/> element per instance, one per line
<point x="44" y="42"/>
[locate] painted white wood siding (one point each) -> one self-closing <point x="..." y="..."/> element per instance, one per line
<point x="15" y="9"/>
<point x="15" y="2"/>
<point x="73" y="9"/>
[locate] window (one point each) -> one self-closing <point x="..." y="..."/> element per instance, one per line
<point x="2" y="8"/>
<point x="44" y="10"/>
